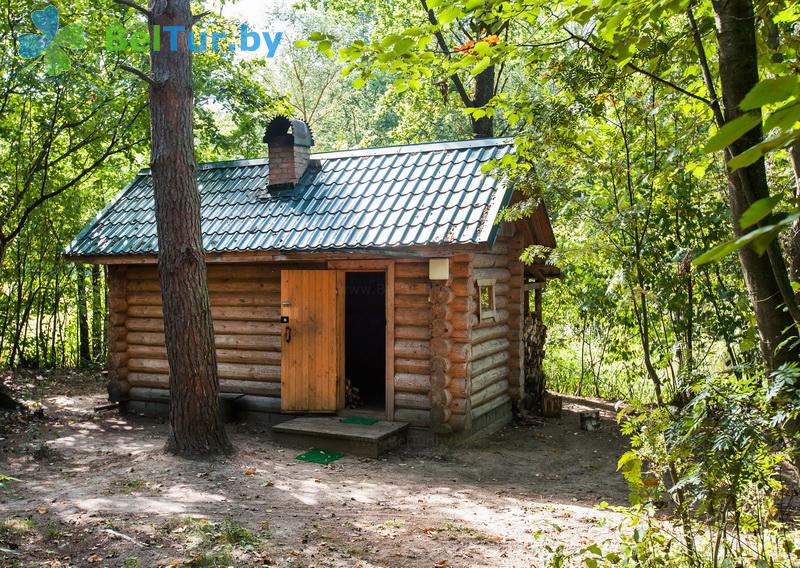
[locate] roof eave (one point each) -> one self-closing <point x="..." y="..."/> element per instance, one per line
<point x="492" y="228"/>
<point x="432" y="250"/>
<point x="91" y="224"/>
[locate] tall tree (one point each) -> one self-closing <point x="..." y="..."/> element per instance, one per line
<point x="766" y="275"/>
<point x="794" y="240"/>
<point x="98" y="289"/>
<point x="486" y="83"/>
<point x="196" y="427"/>
<point x="71" y="139"/>
<point x="84" y="347"/>
<point x="639" y="38"/>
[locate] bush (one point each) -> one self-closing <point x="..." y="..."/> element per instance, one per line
<point x="707" y="478"/>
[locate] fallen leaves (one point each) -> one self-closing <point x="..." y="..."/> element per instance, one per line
<point x="429" y="530"/>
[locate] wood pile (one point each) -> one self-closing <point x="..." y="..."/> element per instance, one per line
<point x="534" y="336"/>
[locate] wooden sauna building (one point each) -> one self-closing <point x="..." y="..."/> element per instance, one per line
<point x="377" y="279"/>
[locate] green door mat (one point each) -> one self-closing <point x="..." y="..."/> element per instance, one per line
<point x="316" y="455"/>
<point x="359" y="420"/>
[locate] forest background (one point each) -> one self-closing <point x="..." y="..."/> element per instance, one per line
<point x="618" y="114"/>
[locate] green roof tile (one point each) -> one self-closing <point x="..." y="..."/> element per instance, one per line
<point x="401" y="196"/>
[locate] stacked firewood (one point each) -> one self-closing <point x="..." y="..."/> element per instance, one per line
<point x="351" y="397"/>
<point x="534" y="336"/>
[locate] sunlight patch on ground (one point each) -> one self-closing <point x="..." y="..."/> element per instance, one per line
<point x="499" y="504"/>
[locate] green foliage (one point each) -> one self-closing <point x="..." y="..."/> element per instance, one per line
<point x="611" y="115"/>
<point x="6" y="480"/>
<point x="759" y="238"/>
<point x="222" y="543"/>
<point x="732" y="131"/>
<point x="68" y="144"/>
<point x="706" y="479"/>
<point x="718" y="459"/>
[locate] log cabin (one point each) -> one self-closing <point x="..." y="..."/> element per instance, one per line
<point x="377" y="281"/>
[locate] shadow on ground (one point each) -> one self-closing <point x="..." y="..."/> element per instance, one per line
<point x="98" y="490"/>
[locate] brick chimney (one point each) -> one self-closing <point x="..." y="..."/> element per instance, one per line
<point x="289" y="142"/>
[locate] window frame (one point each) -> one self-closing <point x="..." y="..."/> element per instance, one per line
<point x="489" y="313"/>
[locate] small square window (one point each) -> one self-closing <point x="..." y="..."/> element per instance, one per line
<point x="486" y="308"/>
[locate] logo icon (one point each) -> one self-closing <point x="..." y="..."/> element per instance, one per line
<point x="53" y="42"/>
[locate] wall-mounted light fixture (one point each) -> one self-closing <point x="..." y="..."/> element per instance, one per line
<point x="439" y="268"/>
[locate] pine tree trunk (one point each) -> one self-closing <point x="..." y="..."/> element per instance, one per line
<point x="196" y="427"/>
<point x="766" y="275"/>
<point x="84" y="354"/>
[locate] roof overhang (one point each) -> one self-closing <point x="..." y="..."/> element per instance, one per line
<point x="422" y="252"/>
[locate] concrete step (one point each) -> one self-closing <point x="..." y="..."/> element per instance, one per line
<point x="330" y="433"/>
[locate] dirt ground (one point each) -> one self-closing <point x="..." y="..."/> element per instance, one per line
<point x="95" y="489"/>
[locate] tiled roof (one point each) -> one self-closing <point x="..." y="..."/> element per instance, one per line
<point x="425" y="194"/>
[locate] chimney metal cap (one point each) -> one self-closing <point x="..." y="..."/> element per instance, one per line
<point x="278" y="132"/>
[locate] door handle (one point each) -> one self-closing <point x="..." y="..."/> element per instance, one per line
<point x="287" y="334"/>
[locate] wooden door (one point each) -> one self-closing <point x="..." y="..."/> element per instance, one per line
<point x="312" y="340"/>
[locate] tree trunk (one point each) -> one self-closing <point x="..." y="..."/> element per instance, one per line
<point x="20" y="264"/>
<point x="84" y="353"/>
<point x="97" y="314"/>
<point x="54" y="322"/>
<point x="196" y="427"/>
<point x="484" y="92"/>
<point x="794" y="242"/>
<point x="765" y="275"/>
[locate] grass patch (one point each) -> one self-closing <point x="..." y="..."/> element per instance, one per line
<point x="133" y="486"/>
<point x="14" y="529"/>
<point x="213" y="560"/>
<point x="392" y="524"/>
<point x="52" y="530"/>
<point x="455" y="530"/>
<point x="223" y="543"/>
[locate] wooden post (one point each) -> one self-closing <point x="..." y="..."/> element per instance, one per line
<point x="459" y="320"/>
<point x="441" y="296"/>
<point x="516" y="382"/>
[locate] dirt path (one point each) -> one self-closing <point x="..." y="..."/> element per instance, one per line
<point x="98" y="491"/>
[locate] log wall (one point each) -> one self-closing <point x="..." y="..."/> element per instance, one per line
<point x="117" y="341"/>
<point x="456" y="330"/>
<point x="245" y="306"/>
<point x="412" y="343"/>
<point x="516" y="317"/>
<point x="496" y="364"/>
<point x="450" y="368"/>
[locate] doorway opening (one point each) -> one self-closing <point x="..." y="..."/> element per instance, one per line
<point x="365" y="340"/>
